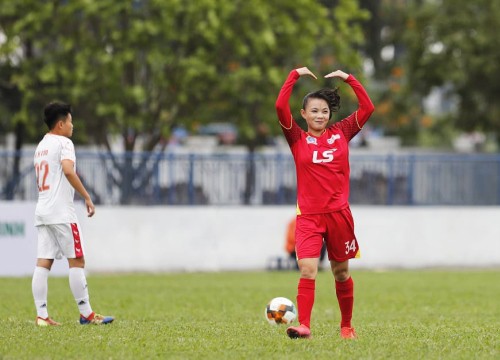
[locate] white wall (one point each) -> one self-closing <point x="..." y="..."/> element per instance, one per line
<point x="412" y="237"/>
<point x="245" y="238"/>
<point x="18" y="240"/>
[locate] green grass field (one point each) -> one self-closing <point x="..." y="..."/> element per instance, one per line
<point x="398" y="315"/>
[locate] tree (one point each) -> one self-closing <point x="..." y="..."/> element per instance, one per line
<point x="138" y="68"/>
<point x="264" y="51"/>
<point x="24" y="87"/>
<point x="456" y="44"/>
<point x="399" y="110"/>
<point x="447" y="45"/>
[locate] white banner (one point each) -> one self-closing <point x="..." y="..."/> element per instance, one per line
<point x="18" y="240"/>
<point x="206" y="238"/>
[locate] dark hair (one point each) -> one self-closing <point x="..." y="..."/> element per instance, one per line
<point x="54" y="112"/>
<point x="331" y="97"/>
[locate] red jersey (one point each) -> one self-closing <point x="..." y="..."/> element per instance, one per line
<point x="322" y="162"/>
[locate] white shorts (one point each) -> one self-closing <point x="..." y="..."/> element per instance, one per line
<point x="58" y="240"/>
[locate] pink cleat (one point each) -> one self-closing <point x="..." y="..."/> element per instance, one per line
<point x="46" y="322"/>
<point x="301" y="331"/>
<point x="348" y="333"/>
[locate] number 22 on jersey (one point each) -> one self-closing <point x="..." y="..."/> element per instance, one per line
<point x="42" y="172"/>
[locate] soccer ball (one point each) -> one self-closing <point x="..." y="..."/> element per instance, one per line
<point x="280" y="310"/>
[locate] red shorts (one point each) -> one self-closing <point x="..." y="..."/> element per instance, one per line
<point x="337" y="230"/>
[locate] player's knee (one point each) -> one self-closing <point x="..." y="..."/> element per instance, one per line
<point x="77" y="262"/>
<point x="45" y="263"/>
<point x="340" y="270"/>
<point x="341" y="274"/>
<point x="308" y="271"/>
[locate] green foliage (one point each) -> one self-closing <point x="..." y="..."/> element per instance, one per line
<point x="397" y="315"/>
<point x="253" y="65"/>
<point x="448" y="44"/>
<point x="398" y="109"/>
<point x="456" y="43"/>
<point x="139" y="67"/>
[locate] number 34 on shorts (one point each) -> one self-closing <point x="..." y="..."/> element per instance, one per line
<point x="350" y="246"/>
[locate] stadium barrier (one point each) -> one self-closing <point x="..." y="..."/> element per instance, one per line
<point x="223" y="179"/>
<point x="240" y="238"/>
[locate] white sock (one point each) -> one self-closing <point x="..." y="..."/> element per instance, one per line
<point x="78" y="285"/>
<point x="40" y="288"/>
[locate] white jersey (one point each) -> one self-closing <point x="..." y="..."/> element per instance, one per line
<point x="55" y="193"/>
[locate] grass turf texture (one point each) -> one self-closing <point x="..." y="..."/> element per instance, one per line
<point x="398" y="315"/>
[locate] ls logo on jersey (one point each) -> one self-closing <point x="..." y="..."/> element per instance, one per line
<point x="332" y="139"/>
<point x="311" y="140"/>
<point x="325" y="157"/>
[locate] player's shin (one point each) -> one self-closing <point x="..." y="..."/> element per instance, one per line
<point x="39" y="287"/>
<point x="78" y="285"/>
<point x="345" y="296"/>
<point x="305" y="300"/>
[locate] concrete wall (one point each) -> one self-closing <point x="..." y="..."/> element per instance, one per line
<point x="124" y="239"/>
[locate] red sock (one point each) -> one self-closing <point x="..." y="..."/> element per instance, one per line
<point x="305" y="300"/>
<point x="345" y="295"/>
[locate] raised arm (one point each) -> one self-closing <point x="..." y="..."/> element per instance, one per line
<point x="288" y="125"/>
<point x="352" y="124"/>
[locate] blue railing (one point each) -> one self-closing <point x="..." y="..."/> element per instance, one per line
<point x="265" y="179"/>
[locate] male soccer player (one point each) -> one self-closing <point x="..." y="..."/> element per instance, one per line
<point x="55" y="217"/>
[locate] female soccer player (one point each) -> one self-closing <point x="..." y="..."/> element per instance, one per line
<point x="322" y="163"/>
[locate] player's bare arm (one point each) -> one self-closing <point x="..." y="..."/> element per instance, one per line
<point x="337" y="73"/>
<point x="74" y="180"/>
<point x="304" y="71"/>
